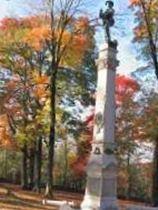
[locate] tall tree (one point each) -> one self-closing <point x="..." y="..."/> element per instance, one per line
<point x="26" y="90"/>
<point x="43" y="47"/>
<point x="146" y="33"/>
<point x="147" y="131"/>
<point x="126" y="113"/>
<point x="67" y="38"/>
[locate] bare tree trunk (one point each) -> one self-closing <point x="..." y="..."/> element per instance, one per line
<point x="49" y="185"/>
<point x="38" y="164"/>
<point x="5" y="165"/>
<point x="153" y="53"/>
<point x="152" y="44"/>
<point x="129" y="190"/>
<point x="24" y="175"/>
<point x="31" y="168"/>
<point x="65" y="172"/>
<point x="155" y="176"/>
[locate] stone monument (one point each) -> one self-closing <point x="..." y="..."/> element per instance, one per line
<point x="101" y="188"/>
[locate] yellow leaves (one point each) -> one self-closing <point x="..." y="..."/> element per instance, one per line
<point x="42" y="119"/>
<point x="21" y="137"/>
<point x="146" y="17"/>
<point x="72" y="157"/>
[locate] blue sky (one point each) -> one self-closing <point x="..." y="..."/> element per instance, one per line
<point x="9" y="8"/>
<point x="123" y="31"/>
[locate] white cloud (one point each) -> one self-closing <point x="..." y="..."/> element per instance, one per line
<point x="14" y="8"/>
<point x="128" y="62"/>
<point x="4" y="8"/>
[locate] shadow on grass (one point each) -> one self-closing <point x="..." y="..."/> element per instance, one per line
<point x="23" y="199"/>
<point x="17" y="203"/>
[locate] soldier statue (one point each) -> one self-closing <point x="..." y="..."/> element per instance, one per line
<point x="108" y="19"/>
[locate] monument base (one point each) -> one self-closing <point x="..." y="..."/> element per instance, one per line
<point x="101" y="183"/>
<point x="95" y="203"/>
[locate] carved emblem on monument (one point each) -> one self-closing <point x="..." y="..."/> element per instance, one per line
<point x="99" y="121"/>
<point x="97" y="151"/>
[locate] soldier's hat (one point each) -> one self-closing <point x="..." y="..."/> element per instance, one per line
<point x="110" y="3"/>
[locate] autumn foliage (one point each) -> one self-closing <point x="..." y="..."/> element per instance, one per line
<point x="24" y="42"/>
<point x="33" y="51"/>
<point x="126" y="87"/>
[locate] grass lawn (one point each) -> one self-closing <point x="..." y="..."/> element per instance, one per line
<point x="18" y="199"/>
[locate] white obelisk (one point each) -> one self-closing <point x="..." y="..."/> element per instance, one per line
<point x="101" y="189"/>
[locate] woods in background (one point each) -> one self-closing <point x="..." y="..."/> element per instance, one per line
<point x="47" y="98"/>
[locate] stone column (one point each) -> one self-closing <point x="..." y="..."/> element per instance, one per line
<point x="101" y="189"/>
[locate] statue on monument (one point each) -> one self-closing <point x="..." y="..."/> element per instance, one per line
<point x="108" y="19"/>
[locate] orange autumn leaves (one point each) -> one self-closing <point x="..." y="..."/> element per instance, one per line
<point x="36" y="33"/>
<point x="152" y="3"/>
<point x="6" y="139"/>
<point x="75" y="42"/>
<point x="37" y="36"/>
<point x="134" y="2"/>
<point x="40" y="87"/>
<point x="126" y="87"/>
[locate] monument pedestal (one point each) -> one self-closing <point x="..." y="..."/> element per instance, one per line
<point x="101" y="189"/>
<point x="101" y="183"/>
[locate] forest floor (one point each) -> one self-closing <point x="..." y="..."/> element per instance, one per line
<point x="13" y="198"/>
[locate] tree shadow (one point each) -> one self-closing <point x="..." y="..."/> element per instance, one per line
<point x="17" y="203"/>
<point x="21" y="200"/>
